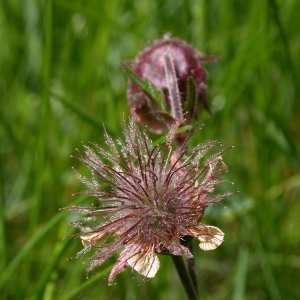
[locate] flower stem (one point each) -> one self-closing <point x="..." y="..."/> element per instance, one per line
<point x="191" y="268"/>
<point x="185" y="277"/>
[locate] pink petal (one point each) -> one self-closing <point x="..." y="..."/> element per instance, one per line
<point x="120" y="266"/>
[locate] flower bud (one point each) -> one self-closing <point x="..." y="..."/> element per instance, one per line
<point x="150" y="64"/>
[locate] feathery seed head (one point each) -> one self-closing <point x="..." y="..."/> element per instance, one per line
<point x="155" y="197"/>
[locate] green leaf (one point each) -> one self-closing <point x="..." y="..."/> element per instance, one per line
<point x="87" y="284"/>
<point x="8" y="272"/>
<point x="80" y="111"/>
<point x="156" y="96"/>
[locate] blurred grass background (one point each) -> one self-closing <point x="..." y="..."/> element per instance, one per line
<point x="60" y="80"/>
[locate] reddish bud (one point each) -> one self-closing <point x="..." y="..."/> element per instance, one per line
<point x="150" y="64"/>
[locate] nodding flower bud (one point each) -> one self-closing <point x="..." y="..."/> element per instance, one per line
<point x="151" y="64"/>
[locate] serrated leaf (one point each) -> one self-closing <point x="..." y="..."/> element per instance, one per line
<point x="158" y="95"/>
<point x="146" y="86"/>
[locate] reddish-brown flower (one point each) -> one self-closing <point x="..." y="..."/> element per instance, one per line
<point x="150" y="197"/>
<point x="150" y="64"/>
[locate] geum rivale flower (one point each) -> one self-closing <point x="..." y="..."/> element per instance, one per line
<point x="150" y="198"/>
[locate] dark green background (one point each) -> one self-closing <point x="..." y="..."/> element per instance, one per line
<point x="60" y="80"/>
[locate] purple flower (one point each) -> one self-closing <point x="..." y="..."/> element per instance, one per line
<point x="150" y="64"/>
<point x="149" y="199"/>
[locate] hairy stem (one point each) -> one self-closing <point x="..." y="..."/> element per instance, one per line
<point x="174" y="95"/>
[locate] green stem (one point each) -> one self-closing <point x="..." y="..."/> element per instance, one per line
<point x="286" y="47"/>
<point x="185" y="277"/>
<point x="44" y="118"/>
<point x="191" y="268"/>
<point x="3" y="249"/>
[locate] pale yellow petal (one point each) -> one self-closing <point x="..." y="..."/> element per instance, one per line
<point x="96" y="239"/>
<point x="210" y="237"/>
<point x="145" y="263"/>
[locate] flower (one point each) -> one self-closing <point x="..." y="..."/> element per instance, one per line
<point x="151" y="64"/>
<point x="150" y="198"/>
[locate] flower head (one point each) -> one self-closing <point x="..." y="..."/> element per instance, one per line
<point x="151" y="64"/>
<point x="150" y="198"/>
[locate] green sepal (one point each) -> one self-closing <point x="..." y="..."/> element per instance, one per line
<point x="191" y="99"/>
<point x="146" y="86"/>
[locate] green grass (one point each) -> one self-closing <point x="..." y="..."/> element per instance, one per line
<point x="60" y="80"/>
